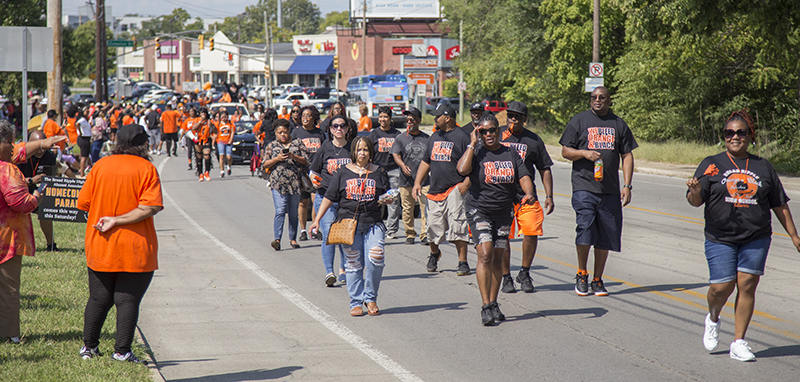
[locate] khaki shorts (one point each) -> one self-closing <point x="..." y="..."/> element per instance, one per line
<point x="447" y="219"/>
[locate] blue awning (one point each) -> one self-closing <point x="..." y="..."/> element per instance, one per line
<point x="312" y="65"/>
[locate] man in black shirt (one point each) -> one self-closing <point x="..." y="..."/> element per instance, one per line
<point x="594" y="141"/>
<point x="447" y="217"/>
<point x="475" y="113"/>
<point x="39" y="165"/>
<point x="153" y="120"/>
<point x="383" y="140"/>
<point x="408" y="151"/>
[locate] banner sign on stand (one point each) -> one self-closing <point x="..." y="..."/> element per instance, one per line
<point x="60" y="200"/>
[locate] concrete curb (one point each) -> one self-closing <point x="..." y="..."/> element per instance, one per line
<point x="155" y="373"/>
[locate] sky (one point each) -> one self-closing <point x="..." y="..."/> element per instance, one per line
<point x="196" y="8"/>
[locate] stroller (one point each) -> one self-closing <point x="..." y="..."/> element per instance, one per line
<point x="255" y="161"/>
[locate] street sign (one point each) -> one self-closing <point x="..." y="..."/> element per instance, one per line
<point x="39" y="49"/>
<point x="426" y="78"/>
<point x="596" y="69"/>
<point x="422" y="89"/>
<point x="119" y="43"/>
<point x="462" y="86"/>
<point x="592" y="83"/>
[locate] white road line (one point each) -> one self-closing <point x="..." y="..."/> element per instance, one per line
<point x="301" y="302"/>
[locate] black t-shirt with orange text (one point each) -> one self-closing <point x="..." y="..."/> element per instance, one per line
<point x="383" y="141"/>
<point x="442" y="154"/>
<point x="494" y="178"/>
<point x="312" y="139"/>
<point x="353" y="191"/>
<point x="610" y="136"/>
<point x="739" y="195"/>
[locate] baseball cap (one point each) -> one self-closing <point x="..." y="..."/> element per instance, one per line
<point x="413" y="111"/>
<point x="444" y="109"/>
<point x="517" y="107"/>
<point x="131" y="135"/>
<point x="476" y="106"/>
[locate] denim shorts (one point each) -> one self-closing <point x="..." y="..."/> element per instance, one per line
<point x="724" y="260"/>
<point x="494" y="228"/>
<point x="225" y="149"/>
<point x="599" y="220"/>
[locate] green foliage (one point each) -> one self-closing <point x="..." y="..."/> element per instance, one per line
<point x="78" y="48"/>
<point x="335" y="18"/>
<point x="676" y="68"/>
<point x="171" y="23"/>
<point x="299" y="17"/>
<point x="450" y="88"/>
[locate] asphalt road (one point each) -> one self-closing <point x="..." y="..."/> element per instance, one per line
<point x="224" y="306"/>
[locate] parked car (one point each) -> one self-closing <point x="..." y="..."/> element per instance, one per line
<point x="65" y="90"/>
<point x="430" y="104"/>
<point x="289" y="99"/>
<point x="324" y="107"/>
<point x="82" y="98"/>
<point x="244" y="142"/>
<point x="154" y="94"/>
<point x="140" y="88"/>
<point x="230" y="107"/>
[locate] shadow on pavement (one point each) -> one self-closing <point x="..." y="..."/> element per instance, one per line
<point x="779" y="351"/>
<point x="423" y="308"/>
<point x="253" y="375"/>
<point x="593" y="312"/>
<point x="410" y="276"/>
<point x="660" y="288"/>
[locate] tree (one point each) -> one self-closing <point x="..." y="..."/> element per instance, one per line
<point x="341" y="19"/>
<point x="299" y="17"/>
<point x="79" y="51"/>
<point x="172" y="23"/>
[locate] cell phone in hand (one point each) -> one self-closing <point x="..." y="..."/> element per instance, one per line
<point x="285" y="151"/>
<point x="41" y="188"/>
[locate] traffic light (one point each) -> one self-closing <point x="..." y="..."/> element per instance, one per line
<point x="211" y="44"/>
<point x="336" y="62"/>
<point x="230" y="56"/>
<point x="158" y="46"/>
<point x="201" y="40"/>
<point x="266" y="71"/>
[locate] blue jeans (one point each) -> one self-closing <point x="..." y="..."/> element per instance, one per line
<point x="285" y="203"/>
<point x="95" y="151"/>
<point x="328" y="251"/>
<point x="394" y="211"/>
<point x="367" y="249"/>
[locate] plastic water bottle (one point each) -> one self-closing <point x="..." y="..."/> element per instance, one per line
<point x="391" y="194"/>
<point x="598" y="169"/>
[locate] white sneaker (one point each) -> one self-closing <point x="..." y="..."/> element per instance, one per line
<point x="740" y="351"/>
<point x="711" y="336"/>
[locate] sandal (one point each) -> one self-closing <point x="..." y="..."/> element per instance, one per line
<point x="276" y="245"/>
<point x="294" y="244"/>
<point x="372" y="308"/>
<point x="357" y="311"/>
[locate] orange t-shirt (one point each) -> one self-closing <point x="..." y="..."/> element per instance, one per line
<point x="128" y="120"/>
<point x="72" y="131"/>
<point x="169" y="121"/>
<point x="117" y="185"/>
<point x="285" y="116"/>
<point x="205" y="131"/>
<point x="364" y="123"/>
<point x="188" y="123"/>
<point x="51" y="129"/>
<point x="226" y="98"/>
<point x="225" y="132"/>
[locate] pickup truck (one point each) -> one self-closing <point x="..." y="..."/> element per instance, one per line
<point x="291" y="98"/>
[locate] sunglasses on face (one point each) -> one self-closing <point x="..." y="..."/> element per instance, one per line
<point x="730" y="133"/>
<point x="295" y="111"/>
<point x="338" y="126"/>
<point x="490" y="130"/>
<point x="597" y="97"/>
<point x="514" y="116"/>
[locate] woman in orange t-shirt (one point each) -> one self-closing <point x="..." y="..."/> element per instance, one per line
<point x="226" y="129"/>
<point x="205" y="134"/>
<point x="122" y="194"/>
<point x="186" y="126"/>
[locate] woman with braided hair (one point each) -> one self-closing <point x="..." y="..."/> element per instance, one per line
<point x="738" y="189"/>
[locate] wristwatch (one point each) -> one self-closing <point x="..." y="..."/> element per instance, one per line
<point x="628" y="186"/>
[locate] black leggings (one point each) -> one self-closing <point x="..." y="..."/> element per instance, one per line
<point x="121" y="289"/>
<point x="172" y="143"/>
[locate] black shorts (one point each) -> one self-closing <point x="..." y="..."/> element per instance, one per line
<point x="494" y="227"/>
<point x="170" y="137"/>
<point x="85" y="144"/>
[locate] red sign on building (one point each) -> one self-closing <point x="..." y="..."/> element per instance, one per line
<point x="401" y="50"/>
<point x="432" y="51"/>
<point x="452" y="53"/>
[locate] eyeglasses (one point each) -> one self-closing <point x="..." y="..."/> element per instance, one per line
<point x="730" y="133"/>
<point x="490" y="130"/>
<point x="516" y="116"/>
<point x="295" y="111"/>
<point x="338" y="126"/>
<point x="597" y="97"/>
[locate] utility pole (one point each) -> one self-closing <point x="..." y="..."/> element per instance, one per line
<point x="54" y="80"/>
<point x="267" y="76"/>
<point x="280" y="15"/>
<point x="364" y="41"/>
<point x="98" y="53"/>
<point x="460" y="72"/>
<point x="596" y="28"/>
<point x="104" y="49"/>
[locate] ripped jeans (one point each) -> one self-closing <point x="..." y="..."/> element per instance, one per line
<point x="367" y="249"/>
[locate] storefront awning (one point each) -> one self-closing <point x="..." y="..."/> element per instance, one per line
<point x="312" y="65"/>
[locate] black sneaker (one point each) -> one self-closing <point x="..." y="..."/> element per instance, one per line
<point x="463" y="268"/>
<point x="89" y="353"/>
<point x="52" y="248"/>
<point x="508" y="285"/>
<point x="525" y="281"/>
<point x="433" y="261"/>
<point x="487" y="315"/>
<point x="409" y="240"/>
<point x="498" y="315"/>
<point x="598" y="288"/>
<point x="582" y="285"/>
<point x="424" y="241"/>
<point x="303" y="236"/>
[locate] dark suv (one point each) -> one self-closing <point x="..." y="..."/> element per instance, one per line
<point x="319" y="93"/>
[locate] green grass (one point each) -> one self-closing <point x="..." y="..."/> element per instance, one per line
<point x="53" y="296"/>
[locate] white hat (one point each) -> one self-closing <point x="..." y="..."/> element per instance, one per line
<point x="153" y="107"/>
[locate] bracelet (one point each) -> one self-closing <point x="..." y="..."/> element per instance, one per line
<point x="471" y="147"/>
<point x="628" y="186"/>
<point x="549" y="196"/>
